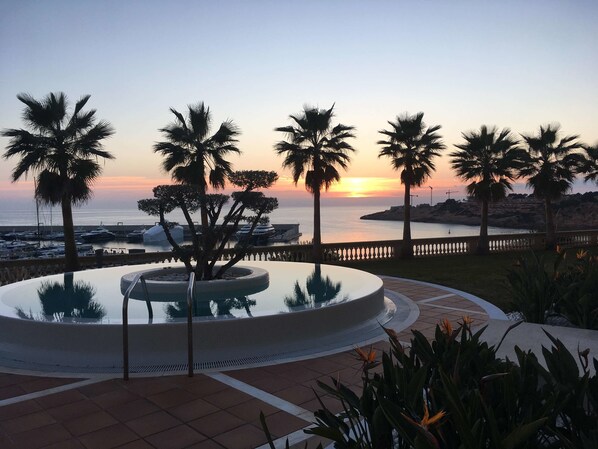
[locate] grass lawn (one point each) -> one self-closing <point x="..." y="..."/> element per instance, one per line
<point x="483" y="276"/>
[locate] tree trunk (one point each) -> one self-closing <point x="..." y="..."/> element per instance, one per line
<point x="407" y="245"/>
<point x="317" y="240"/>
<point x="550" y="230"/>
<point x="483" y="242"/>
<point x="71" y="259"/>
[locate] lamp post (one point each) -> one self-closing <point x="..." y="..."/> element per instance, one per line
<point x="431" y="190"/>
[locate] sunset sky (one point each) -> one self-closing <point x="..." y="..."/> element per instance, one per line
<point x="515" y="64"/>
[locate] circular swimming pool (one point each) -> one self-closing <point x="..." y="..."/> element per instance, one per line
<point x="73" y="321"/>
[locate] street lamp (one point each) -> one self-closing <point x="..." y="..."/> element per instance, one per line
<point x="431" y="190"/>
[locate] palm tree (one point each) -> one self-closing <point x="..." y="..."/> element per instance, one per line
<point x="589" y="164"/>
<point x="314" y="148"/>
<point x="550" y="170"/>
<point x="61" y="151"/>
<point x="193" y="155"/>
<point x="489" y="160"/>
<point x="411" y="147"/>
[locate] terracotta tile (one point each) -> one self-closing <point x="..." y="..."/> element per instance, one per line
<point x="19" y="409"/>
<point x="202" y="385"/>
<point x="192" y="410"/>
<point x="148" y="386"/>
<point x="227" y="398"/>
<point x="296" y="394"/>
<point x="216" y="423"/>
<point x="11" y="391"/>
<point x="43" y="436"/>
<point x="272" y="383"/>
<point x="89" y="423"/>
<point x="44" y="384"/>
<point x="324" y="366"/>
<point x="58" y="399"/>
<point x="137" y="444"/>
<point x="132" y="410"/>
<point x="206" y="444"/>
<point x="153" y="423"/>
<point x="27" y="422"/>
<point x="66" y="444"/>
<point x="99" y="388"/>
<point x="282" y="423"/>
<point x="176" y="438"/>
<point x="171" y="398"/>
<point x="70" y="411"/>
<point x="243" y="437"/>
<point x="108" y="437"/>
<point x="250" y="411"/>
<point x="114" y="397"/>
<point x="312" y="442"/>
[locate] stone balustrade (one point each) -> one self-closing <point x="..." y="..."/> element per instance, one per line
<point x="16" y="270"/>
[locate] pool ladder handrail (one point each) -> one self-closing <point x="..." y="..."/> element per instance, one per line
<point x="125" y="314"/>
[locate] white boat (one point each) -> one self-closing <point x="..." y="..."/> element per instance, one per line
<point x="156" y="235"/>
<point x="136" y="235"/>
<point x="261" y="232"/>
<point x="98" y="235"/>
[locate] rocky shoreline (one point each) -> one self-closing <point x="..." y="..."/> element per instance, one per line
<point x="572" y="212"/>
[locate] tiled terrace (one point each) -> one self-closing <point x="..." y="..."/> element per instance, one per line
<point x="209" y="410"/>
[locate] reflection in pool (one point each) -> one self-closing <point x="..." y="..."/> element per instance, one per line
<point x="319" y="290"/>
<point x="66" y="301"/>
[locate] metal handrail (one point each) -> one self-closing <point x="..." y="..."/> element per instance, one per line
<point x="125" y="313"/>
<point x="190" y="294"/>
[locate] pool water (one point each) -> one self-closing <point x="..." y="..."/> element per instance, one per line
<point x="95" y="296"/>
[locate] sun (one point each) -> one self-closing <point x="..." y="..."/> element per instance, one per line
<point x="362" y="187"/>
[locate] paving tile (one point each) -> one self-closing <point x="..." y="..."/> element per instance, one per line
<point x="98" y="388"/>
<point x="43" y="436"/>
<point x="108" y="437"/>
<point x="172" y="397"/>
<point x="89" y="423"/>
<point x="192" y="410"/>
<point x="27" y="422"/>
<point x="176" y="438"/>
<point x="152" y="423"/>
<point x="296" y="394"/>
<point x="132" y="410"/>
<point x="283" y="423"/>
<point x="244" y="437"/>
<point x="114" y="397"/>
<point x="202" y="385"/>
<point x="43" y="383"/>
<point x="58" y="399"/>
<point x="70" y="411"/>
<point x="207" y="444"/>
<point x="67" y="444"/>
<point x="216" y="423"/>
<point x="250" y="411"/>
<point x="137" y="444"/>
<point x="272" y="383"/>
<point x="11" y="391"/>
<point x="147" y="386"/>
<point x="18" y="409"/>
<point x="227" y="398"/>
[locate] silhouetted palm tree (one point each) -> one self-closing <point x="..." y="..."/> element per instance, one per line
<point x="195" y="157"/>
<point x="319" y="290"/>
<point x="61" y="151"/>
<point x="550" y="169"/>
<point x="411" y="147"/>
<point x="490" y="160"/>
<point x="314" y="148"/>
<point x="589" y="164"/>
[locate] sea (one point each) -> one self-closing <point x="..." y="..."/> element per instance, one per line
<point x="340" y="221"/>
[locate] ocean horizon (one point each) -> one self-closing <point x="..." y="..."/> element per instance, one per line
<point x="340" y="220"/>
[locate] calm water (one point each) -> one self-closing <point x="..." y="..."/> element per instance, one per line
<point x="340" y="223"/>
<point x="94" y="296"/>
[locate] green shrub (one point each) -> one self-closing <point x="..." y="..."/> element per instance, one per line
<point x="454" y="392"/>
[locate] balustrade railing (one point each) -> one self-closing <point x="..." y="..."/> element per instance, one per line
<point x="16" y="270"/>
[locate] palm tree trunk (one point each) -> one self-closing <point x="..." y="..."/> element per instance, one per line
<point x="317" y="240"/>
<point x="483" y="242"/>
<point x="407" y="244"/>
<point x="71" y="259"/>
<point x="550" y="230"/>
